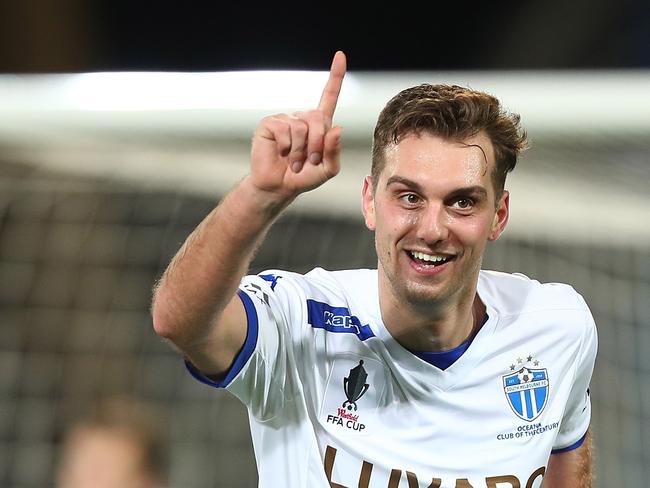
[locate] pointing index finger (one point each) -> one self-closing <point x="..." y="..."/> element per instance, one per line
<point x="330" y="95"/>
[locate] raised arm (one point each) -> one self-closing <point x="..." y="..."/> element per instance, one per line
<point x="195" y="303"/>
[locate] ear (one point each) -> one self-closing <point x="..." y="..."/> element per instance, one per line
<point x="500" y="216"/>
<point x="368" y="202"/>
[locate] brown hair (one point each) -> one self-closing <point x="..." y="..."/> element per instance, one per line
<point x="451" y="112"/>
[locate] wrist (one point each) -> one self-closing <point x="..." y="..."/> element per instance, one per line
<point x="264" y="201"/>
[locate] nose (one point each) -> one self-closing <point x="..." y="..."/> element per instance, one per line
<point x="433" y="225"/>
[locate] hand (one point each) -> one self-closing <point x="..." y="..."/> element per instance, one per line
<point x="295" y="153"/>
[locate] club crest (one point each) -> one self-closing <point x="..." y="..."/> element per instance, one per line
<point x="526" y="388"/>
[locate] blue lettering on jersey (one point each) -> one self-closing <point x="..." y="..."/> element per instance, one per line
<point x="271" y="278"/>
<point x="336" y="319"/>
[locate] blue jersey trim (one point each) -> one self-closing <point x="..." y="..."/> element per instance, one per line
<point x="271" y="278"/>
<point x="244" y="354"/>
<point x="443" y="359"/>
<point x="336" y="319"/>
<point x="573" y="446"/>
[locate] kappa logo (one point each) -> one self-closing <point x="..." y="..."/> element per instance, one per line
<point x="354" y="387"/>
<point x="526" y="388"/>
<point x="336" y="319"/>
<point x="257" y="290"/>
<point x="345" y="321"/>
<point x="271" y="278"/>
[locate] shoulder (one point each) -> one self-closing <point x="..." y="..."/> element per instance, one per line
<point x="552" y="310"/>
<point x="348" y="279"/>
<point x="343" y="286"/>
<point x="513" y="293"/>
<point x="321" y="284"/>
<point x="336" y="301"/>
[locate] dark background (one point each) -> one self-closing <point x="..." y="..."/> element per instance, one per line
<point x="92" y="35"/>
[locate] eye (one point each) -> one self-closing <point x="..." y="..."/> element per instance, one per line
<point x="410" y="199"/>
<point x="463" y="203"/>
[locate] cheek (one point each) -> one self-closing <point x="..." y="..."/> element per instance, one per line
<point x="471" y="230"/>
<point x="401" y="224"/>
<point x="394" y="220"/>
<point x="411" y="220"/>
<point x="392" y="228"/>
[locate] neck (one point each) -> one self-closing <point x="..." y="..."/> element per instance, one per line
<point x="431" y="325"/>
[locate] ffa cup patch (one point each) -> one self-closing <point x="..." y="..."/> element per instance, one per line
<point x="526" y="388"/>
<point x="352" y="394"/>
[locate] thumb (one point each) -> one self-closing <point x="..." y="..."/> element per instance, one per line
<point x="332" y="151"/>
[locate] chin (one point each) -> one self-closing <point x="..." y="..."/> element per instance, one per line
<point x="420" y="294"/>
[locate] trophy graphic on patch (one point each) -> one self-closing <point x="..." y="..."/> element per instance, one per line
<point x="355" y="386"/>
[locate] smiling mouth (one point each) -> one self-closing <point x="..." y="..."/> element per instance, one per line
<point x="432" y="260"/>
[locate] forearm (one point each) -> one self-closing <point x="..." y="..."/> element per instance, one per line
<point x="571" y="469"/>
<point x="203" y="276"/>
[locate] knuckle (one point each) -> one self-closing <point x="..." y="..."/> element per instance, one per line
<point x="297" y="156"/>
<point x="316" y="116"/>
<point x="274" y="124"/>
<point x="316" y="138"/>
<point x="272" y="119"/>
<point x="299" y="126"/>
<point x="316" y="132"/>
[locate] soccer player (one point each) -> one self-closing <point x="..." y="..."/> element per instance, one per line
<point x="426" y="372"/>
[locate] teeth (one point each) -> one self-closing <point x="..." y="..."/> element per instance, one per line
<point x="428" y="257"/>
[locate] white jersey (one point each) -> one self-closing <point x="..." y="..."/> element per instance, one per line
<point x="335" y="401"/>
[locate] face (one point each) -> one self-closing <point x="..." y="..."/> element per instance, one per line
<point x="433" y="211"/>
<point x="104" y="459"/>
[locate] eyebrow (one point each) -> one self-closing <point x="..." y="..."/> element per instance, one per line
<point x="476" y="190"/>
<point x="404" y="181"/>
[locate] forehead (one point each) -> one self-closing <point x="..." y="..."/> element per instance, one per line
<point x="428" y="158"/>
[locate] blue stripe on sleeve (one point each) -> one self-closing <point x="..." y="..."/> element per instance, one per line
<point x="573" y="446"/>
<point x="244" y="354"/>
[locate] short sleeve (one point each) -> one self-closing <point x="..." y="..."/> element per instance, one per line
<point x="260" y="374"/>
<point x="577" y="414"/>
